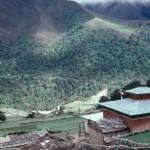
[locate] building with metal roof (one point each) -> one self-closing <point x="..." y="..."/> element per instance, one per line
<point x="135" y="109"/>
<point x="139" y="90"/>
<point x="129" y="107"/>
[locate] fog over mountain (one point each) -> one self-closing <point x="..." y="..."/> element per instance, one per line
<point x="125" y="9"/>
<point x="106" y="1"/>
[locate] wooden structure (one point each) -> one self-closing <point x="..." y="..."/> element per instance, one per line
<point x="135" y="109"/>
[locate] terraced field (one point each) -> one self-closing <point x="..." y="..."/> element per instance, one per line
<point x="60" y="123"/>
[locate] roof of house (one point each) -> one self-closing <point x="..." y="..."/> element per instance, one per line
<point x="112" y="125"/>
<point x="36" y="140"/>
<point x="22" y="139"/>
<point x="129" y="107"/>
<point x="139" y="90"/>
<point x="94" y="117"/>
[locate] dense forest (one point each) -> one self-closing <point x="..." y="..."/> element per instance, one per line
<point x="38" y="75"/>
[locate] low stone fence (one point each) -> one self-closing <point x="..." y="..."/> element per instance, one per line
<point x="134" y="133"/>
<point x="103" y="147"/>
<point x="131" y="144"/>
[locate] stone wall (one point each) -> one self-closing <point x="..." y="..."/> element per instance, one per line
<point x="95" y="136"/>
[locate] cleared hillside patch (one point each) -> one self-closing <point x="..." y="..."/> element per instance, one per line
<point x="123" y="31"/>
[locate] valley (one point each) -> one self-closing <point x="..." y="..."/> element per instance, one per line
<point x="58" y="58"/>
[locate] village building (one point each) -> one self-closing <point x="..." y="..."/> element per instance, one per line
<point x="100" y="131"/>
<point x="35" y="140"/>
<point x="135" y="109"/>
<point x="120" y="117"/>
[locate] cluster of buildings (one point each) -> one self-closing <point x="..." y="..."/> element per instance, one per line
<point x="36" y="140"/>
<point x="120" y="117"/>
<point x="116" y="119"/>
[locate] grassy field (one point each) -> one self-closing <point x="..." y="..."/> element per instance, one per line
<point x="140" y="138"/>
<point x="9" y="112"/>
<point x="60" y="123"/>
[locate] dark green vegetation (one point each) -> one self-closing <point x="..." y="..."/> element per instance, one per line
<point x="116" y="94"/>
<point x="56" y="124"/>
<point x="38" y="76"/>
<point x="2" y="116"/>
<point x="140" y="138"/>
<point x="104" y="99"/>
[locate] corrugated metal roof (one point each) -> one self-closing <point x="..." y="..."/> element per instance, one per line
<point x="94" y="117"/>
<point x="139" y="90"/>
<point x="129" y="106"/>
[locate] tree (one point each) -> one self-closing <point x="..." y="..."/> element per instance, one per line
<point x="132" y="85"/>
<point x="32" y="115"/>
<point x="148" y="83"/>
<point x="104" y="99"/>
<point x="115" y="95"/>
<point x="2" y="116"/>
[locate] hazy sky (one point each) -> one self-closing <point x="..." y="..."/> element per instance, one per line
<point x="94" y="1"/>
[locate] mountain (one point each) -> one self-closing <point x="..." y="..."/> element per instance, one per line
<point x="91" y="52"/>
<point x="41" y="19"/>
<point x="122" y="10"/>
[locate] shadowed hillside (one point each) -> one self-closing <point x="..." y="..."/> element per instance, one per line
<point x="43" y="19"/>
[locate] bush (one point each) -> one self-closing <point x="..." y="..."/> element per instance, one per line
<point x="148" y="83"/>
<point x="2" y="116"/>
<point x="132" y="85"/>
<point x="32" y="115"/>
<point x="116" y="95"/>
<point x="104" y="99"/>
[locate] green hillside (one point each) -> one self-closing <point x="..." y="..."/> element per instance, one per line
<point x="39" y="75"/>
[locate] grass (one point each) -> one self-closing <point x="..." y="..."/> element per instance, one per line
<point x="96" y="23"/>
<point x="14" y="112"/>
<point x="60" y="123"/>
<point x="140" y="138"/>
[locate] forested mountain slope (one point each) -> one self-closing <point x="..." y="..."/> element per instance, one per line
<point x="92" y="53"/>
<point x="36" y="75"/>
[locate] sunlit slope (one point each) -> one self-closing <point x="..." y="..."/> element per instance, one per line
<point x="119" y="29"/>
